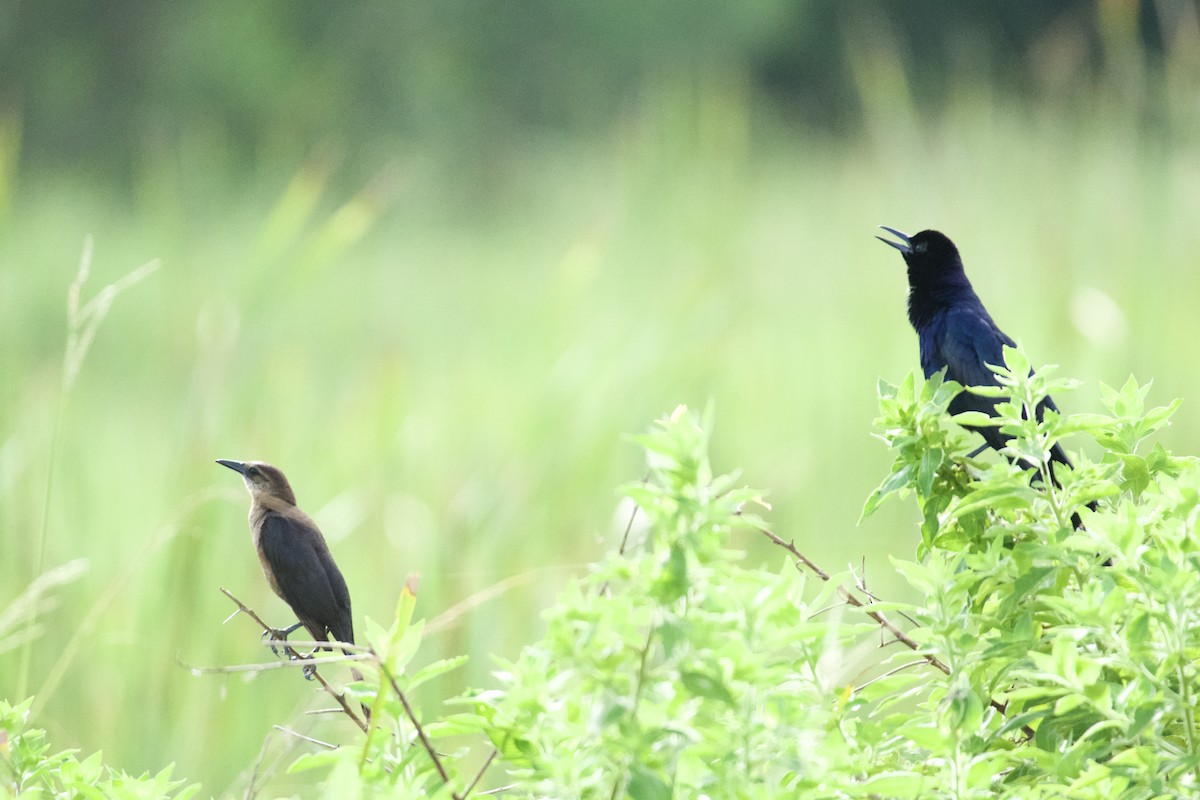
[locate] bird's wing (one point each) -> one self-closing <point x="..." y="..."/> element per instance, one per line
<point x="306" y="574"/>
<point x="968" y="341"/>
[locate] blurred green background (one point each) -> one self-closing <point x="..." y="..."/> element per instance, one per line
<point x="435" y="259"/>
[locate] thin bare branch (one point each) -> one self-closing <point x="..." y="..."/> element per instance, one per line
<point x="625" y="536"/>
<point x="629" y="524"/>
<point x="412" y="717"/>
<point x="291" y="663"/>
<point x="316" y="712"/>
<point x="829" y="607"/>
<point x="479" y="775"/>
<point x="357" y="652"/>
<point x="298" y="660"/>
<point x="860" y="581"/>
<point x="890" y="673"/>
<point x="878" y="616"/>
<point x="853" y="600"/>
<point x="299" y="735"/>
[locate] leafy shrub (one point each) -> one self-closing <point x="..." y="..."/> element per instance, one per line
<point x="28" y="769"/>
<point x="1044" y="661"/>
<point x="671" y="670"/>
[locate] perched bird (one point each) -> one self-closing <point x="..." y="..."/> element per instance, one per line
<point x="955" y="331"/>
<point x="294" y="556"/>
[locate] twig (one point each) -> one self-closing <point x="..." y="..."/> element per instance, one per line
<point x="251" y="787"/>
<point x="849" y="597"/>
<point x="412" y="717"/>
<point x="829" y="607"/>
<point x="878" y="616"/>
<point x="353" y="652"/>
<point x="299" y="735"/>
<point x="629" y="525"/>
<point x="888" y="674"/>
<point x="299" y="660"/>
<point x="316" y="712"/>
<point x="625" y="536"/>
<point x="479" y="775"/>
<point x="861" y="583"/>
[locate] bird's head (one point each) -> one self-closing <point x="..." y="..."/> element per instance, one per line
<point x="262" y="480"/>
<point x="928" y="253"/>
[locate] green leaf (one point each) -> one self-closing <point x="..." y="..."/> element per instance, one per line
<point x="405" y="605"/>
<point x="317" y="760"/>
<point x="899" y="479"/>
<point x="1068" y="703"/>
<point x="997" y="496"/>
<point x="702" y="684"/>
<point x="647" y="785"/>
<point x="975" y="419"/>
<point x="88" y="790"/>
<point x="401" y="650"/>
<point x="1028" y="581"/>
<point x="930" y="461"/>
<point x="672" y="633"/>
<point x="1016" y="360"/>
<point x="897" y="784"/>
<point x="437" y="668"/>
<point x="1135" y="472"/>
<point x="990" y="391"/>
<point x="672" y="580"/>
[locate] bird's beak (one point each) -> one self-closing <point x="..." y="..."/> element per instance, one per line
<point x="236" y="466"/>
<point x="903" y="245"/>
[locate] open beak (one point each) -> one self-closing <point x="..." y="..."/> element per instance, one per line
<point x="903" y="245"/>
<point x="240" y="468"/>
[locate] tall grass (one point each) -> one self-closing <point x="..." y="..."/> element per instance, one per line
<point x="448" y="386"/>
<point x="83" y="321"/>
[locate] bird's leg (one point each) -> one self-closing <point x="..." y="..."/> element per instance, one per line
<point x="276" y="634"/>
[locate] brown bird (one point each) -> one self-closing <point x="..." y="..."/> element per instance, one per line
<point x="294" y="555"/>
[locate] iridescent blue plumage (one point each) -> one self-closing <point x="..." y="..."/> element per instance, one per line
<point x="954" y="330"/>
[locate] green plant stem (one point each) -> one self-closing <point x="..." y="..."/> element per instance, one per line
<point x="1051" y="489"/>
<point x="1189" y="718"/>
<point x="39" y="565"/>
<point x="637" y="697"/>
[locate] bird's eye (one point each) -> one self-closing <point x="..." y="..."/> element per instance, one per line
<point x="252" y="471"/>
<point x="921" y="247"/>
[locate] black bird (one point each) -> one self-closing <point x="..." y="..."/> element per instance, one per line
<point x="294" y="556"/>
<point x="955" y="331"/>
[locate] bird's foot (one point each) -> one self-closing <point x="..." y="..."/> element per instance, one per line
<point x="276" y="635"/>
<point x="280" y="635"/>
<point x="310" y="670"/>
